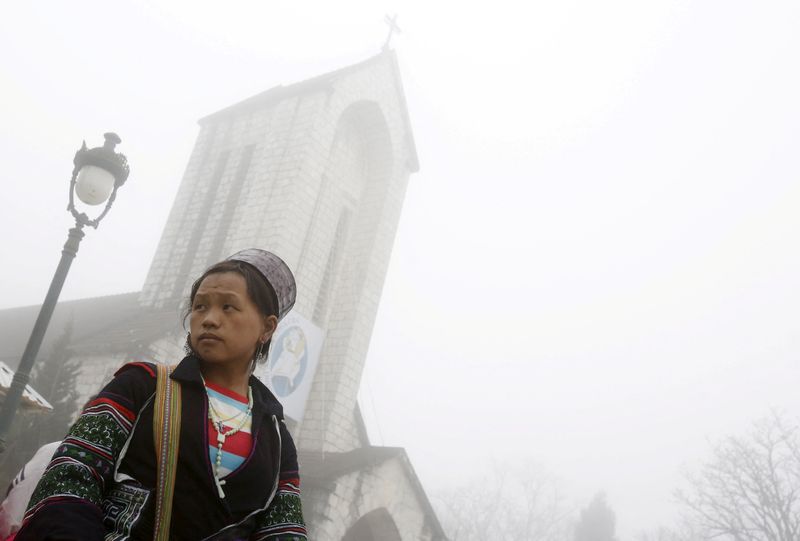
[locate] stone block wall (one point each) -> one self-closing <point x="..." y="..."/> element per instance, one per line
<point x="96" y="370"/>
<point x="386" y="487"/>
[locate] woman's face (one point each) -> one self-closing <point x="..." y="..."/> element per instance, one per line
<point x="225" y="323"/>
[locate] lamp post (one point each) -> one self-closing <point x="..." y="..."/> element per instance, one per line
<point x="96" y="177"/>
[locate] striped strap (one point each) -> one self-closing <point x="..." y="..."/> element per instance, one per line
<point x="166" y="433"/>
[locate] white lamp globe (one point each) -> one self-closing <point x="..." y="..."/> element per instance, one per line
<point x="94" y="184"/>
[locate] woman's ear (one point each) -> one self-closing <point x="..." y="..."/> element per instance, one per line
<point x="270" y="324"/>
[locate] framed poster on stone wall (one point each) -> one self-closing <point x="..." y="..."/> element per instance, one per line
<point x="293" y="358"/>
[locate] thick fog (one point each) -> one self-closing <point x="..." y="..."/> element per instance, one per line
<point x="596" y="271"/>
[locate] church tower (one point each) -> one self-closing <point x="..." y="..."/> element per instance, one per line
<point x="315" y="172"/>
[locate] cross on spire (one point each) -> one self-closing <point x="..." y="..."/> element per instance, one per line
<point x="392" y="22"/>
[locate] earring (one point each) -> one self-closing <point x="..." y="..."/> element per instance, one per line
<point x="261" y="355"/>
<point x="187" y="346"/>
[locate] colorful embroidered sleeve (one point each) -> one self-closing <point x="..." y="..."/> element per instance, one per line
<point x="283" y="519"/>
<point x="66" y="503"/>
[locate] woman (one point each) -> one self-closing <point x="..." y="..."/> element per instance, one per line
<point x="236" y="474"/>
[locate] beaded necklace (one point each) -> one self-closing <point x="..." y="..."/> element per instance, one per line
<point x="214" y="417"/>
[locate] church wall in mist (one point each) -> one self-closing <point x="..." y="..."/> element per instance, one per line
<point x="315" y="172"/>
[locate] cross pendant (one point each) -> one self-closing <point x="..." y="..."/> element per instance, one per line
<point x="220" y="438"/>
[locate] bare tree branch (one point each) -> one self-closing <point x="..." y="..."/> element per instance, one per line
<point x="748" y="490"/>
<point x="522" y="504"/>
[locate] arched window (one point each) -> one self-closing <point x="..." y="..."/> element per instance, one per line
<point x="377" y="525"/>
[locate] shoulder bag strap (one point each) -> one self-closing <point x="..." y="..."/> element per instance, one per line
<point x="166" y="433"/>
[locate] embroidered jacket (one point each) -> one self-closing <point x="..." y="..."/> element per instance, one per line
<point x="99" y="485"/>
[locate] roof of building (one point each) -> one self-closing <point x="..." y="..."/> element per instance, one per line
<point x="101" y="324"/>
<point x="30" y="399"/>
<point x="319" y="469"/>
<point x="321" y="83"/>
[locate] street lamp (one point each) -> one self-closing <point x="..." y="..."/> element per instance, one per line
<point x="98" y="174"/>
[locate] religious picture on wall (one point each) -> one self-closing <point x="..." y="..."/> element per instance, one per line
<point x="288" y="361"/>
<point x="289" y="372"/>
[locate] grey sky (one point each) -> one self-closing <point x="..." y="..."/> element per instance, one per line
<point x="596" y="267"/>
